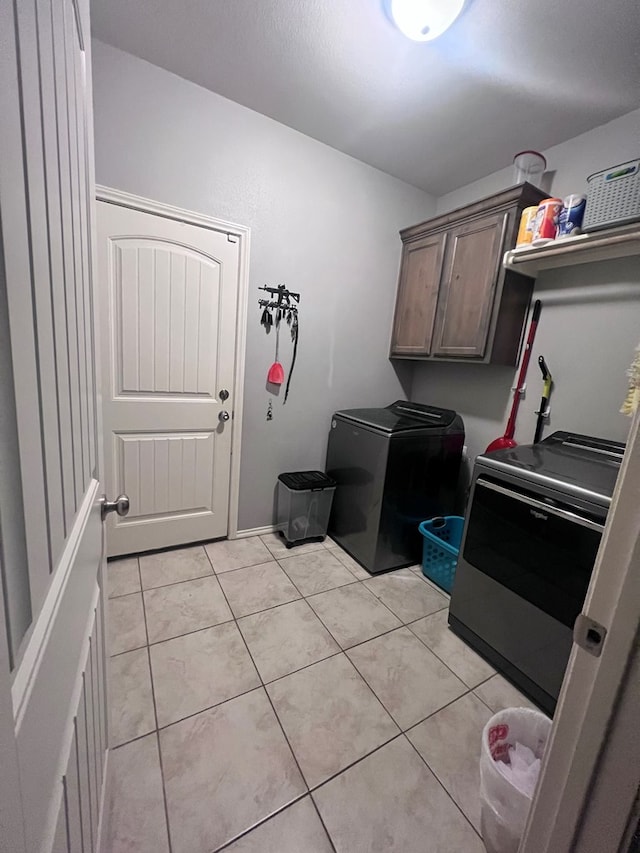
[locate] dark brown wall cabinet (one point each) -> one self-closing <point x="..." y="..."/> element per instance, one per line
<point x="455" y="300"/>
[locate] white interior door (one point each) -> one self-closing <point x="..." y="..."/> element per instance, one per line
<point x="168" y="315"/>
<point x="53" y="729"/>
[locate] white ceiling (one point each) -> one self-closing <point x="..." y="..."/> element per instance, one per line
<point x="510" y="74"/>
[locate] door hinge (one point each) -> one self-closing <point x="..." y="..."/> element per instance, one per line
<point x="589" y="634"/>
<point x="232" y="238"/>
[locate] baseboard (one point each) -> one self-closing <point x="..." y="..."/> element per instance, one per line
<point x="255" y="531"/>
<point x="105" y="808"/>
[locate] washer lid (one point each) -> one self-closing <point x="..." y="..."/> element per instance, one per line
<point x="401" y="416"/>
<point x="568" y="462"/>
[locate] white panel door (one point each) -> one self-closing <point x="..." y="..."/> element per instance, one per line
<point x="53" y="721"/>
<point x="168" y="316"/>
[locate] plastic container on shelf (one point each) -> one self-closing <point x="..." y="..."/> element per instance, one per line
<point x="571" y="216"/>
<point x="545" y="226"/>
<point x="527" y="222"/>
<point x="440" y="547"/>
<point x="303" y="506"/>
<point x="613" y="196"/>
<point x="528" y="166"/>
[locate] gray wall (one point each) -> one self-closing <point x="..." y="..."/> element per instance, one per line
<point x="321" y="222"/>
<point x="589" y="327"/>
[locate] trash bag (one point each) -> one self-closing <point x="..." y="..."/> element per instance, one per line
<point x="515" y="738"/>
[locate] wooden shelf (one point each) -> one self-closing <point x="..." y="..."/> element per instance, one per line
<point x="583" y="249"/>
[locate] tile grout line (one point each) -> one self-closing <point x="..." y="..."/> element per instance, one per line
<point x="375" y="636"/>
<point x="362" y="642"/>
<point x="134" y="739"/>
<point x="302" y="668"/>
<point x="209" y="707"/>
<point x="435" y="776"/>
<point x="335" y="775"/>
<point x="289" y="578"/>
<point x="263" y="685"/>
<point x="433" y="652"/>
<point x="480" y="685"/>
<point x="435" y="773"/>
<point x="335" y="639"/>
<point x="320" y="591"/>
<point x="324" y="826"/>
<point x="284" y="734"/>
<point x="363" y="582"/>
<point x="437" y="711"/>
<point x="402" y="732"/>
<point x="324" y="625"/>
<point x="137" y="649"/>
<point x="126" y="651"/>
<point x="266" y="609"/>
<point x="169" y="549"/>
<point x="402" y="729"/>
<point x="374" y="694"/>
<point x="342" y="770"/>
<point x="266" y="684"/>
<point x="262" y="682"/>
<point x="331" y="588"/>
<point x="210" y="574"/>
<point x="274" y="558"/>
<point x="339" y="651"/>
<point x="189" y="633"/>
<point x="261" y="822"/>
<point x="157" y="730"/>
<point x="337" y="551"/>
<point x="123" y="595"/>
<point x="256" y="612"/>
<point x="235" y="618"/>
<point x="401" y="618"/>
<point x="240" y="568"/>
<point x="342" y="648"/>
<point x="288" y="551"/>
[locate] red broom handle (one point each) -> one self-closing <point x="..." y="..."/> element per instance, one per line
<point x="524" y="366"/>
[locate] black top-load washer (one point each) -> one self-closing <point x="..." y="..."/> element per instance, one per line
<point x="394" y="467"/>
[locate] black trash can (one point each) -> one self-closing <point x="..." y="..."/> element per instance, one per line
<point x="304" y="505"/>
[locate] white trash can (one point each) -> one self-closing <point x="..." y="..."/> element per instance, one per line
<point x="506" y="797"/>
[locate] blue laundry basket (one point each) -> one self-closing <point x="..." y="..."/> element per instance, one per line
<point x="440" y="548"/>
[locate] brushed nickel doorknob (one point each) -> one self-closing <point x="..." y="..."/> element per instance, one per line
<point x="120" y="505"/>
<point x="223" y="416"/>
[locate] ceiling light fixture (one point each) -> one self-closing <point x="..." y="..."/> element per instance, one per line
<point x="423" y="20"/>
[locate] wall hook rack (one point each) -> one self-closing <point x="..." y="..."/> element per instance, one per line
<point x="279" y="297"/>
<point x="285" y="304"/>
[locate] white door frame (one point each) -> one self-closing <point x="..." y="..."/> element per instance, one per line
<point x="243" y="233"/>
<point x="584" y="786"/>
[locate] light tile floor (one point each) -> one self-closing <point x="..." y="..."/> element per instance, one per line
<point x="288" y="702"/>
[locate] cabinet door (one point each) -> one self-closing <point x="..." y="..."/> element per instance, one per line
<point x="420" y="275"/>
<point x="471" y="269"/>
